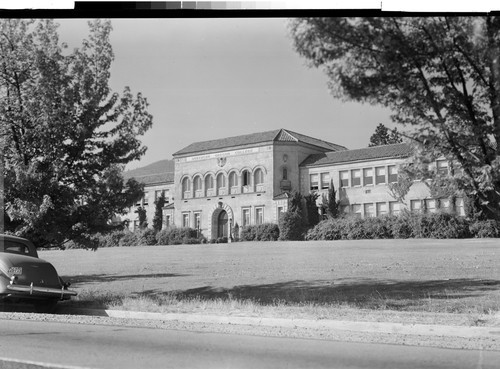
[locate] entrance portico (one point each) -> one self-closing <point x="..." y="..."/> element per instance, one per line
<point x="221" y="221"/>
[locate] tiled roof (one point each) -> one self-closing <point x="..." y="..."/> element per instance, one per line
<point x="256" y="138"/>
<point x="158" y="172"/>
<point x="401" y="150"/>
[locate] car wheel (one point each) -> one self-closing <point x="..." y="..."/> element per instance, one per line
<point x="46" y="306"/>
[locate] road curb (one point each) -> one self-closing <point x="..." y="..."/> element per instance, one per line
<point x="352" y="326"/>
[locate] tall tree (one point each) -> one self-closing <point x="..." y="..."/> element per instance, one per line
<point x="332" y="205"/>
<point x="382" y="136"/>
<point x="67" y="134"/>
<point x="158" y="217"/>
<point x="439" y="75"/>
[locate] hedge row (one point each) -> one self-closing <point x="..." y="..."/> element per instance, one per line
<point x="145" y="237"/>
<point x="406" y="225"/>
<point x="261" y="232"/>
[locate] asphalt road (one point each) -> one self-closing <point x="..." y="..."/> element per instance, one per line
<point x="35" y="344"/>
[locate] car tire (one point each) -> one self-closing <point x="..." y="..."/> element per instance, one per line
<point x="46" y="306"/>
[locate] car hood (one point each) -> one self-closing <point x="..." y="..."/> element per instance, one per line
<point x="34" y="270"/>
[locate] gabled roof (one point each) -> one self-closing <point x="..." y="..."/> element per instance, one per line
<point x="277" y="135"/>
<point x="158" y="172"/>
<point x="401" y="150"/>
<point x="281" y="196"/>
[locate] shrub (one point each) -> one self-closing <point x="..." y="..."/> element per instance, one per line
<point x="261" y="232"/>
<point x="176" y="236"/>
<point x="400" y="226"/>
<point x="247" y="233"/>
<point x="129" y="239"/>
<point x="146" y="237"/>
<point x="438" y="225"/>
<point x="328" y="229"/>
<point x="291" y="226"/>
<point x="484" y="228"/>
<point x="377" y="227"/>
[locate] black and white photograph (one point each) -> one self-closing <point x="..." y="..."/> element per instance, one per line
<point x="249" y="185"/>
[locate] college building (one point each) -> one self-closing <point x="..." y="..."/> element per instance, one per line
<point x="221" y="185"/>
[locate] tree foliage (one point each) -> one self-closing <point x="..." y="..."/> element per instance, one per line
<point x="382" y="136"/>
<point x="332" y="204"/>
<point x="312" y="209"/>
<point x="439" y="75"/>
<point x="158" y="217"/>
<point x="67" y="134"/>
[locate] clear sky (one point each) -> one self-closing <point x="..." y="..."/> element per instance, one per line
<point x="211" y="78"/>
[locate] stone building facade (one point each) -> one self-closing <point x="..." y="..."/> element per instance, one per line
<point x="222" y="185"/>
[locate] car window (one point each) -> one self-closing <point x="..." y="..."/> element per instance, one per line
<point x="16" y="248"/>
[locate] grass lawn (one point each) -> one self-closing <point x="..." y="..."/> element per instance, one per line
<point x="290" y="278"/>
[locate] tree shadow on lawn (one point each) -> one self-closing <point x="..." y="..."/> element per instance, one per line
<point x="78" y="280"/>
<point x="450" y="295"/>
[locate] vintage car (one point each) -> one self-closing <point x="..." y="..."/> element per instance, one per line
<point x="24" y="278"/>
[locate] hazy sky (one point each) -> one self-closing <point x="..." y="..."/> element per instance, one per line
<point x="212" y="78"/>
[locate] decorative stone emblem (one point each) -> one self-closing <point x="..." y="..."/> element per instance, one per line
<point x="221" y="161"/>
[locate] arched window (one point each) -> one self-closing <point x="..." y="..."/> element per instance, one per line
<point x="209" y="182"/>
<point x="258" y="177"/>
<point x="285" y="173"/>
<point x="197" y="184"/>
<point x="245" y="178"/>
<point x="186" y="187"/>
<point x="221" y="182"/>
<point x="233" y="179"/>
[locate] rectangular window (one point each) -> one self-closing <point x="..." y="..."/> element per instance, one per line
<point x="356" y="210"/>
<point x="167" y="196"/>
<point x="442" y="167"/>
<point x="367" y="176"/>
<point x="416" y="206"/>
<point x="259" y="215"/>
<point x="197" y="220"/>
<point x="325" y="181"/>
<point x="430" y="205"/>
<point x="185" y="220"/>
<point x="394" y="208"/>
<point x="136" y="224"/>
<point x="145" y="199"/>
<point x="158" y="194"/>
<point x="344" y="178"/>
<point x="314" y="180"/>
<point x="246" y="217"/>
<point x="444" y="204"/>
<point x="460" y="207"/>
<point x="379" y="175"/>
<point x="393" y="173"/>
<point x="281" y="212"/>
<point x="381" y="208"/>
<point x="369" y="210"/>
<point x="356" y="177"/>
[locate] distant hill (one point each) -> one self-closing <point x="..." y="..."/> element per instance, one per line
<point x="157" y="172"/>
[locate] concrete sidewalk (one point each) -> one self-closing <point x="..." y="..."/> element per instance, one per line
<point x="352" y="326"/>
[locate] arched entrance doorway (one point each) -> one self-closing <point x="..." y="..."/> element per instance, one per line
<point x="222" y="224"/>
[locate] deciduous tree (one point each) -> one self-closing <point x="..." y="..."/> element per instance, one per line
<point x="439" y="75"/>
<point x="67" y="134"/>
